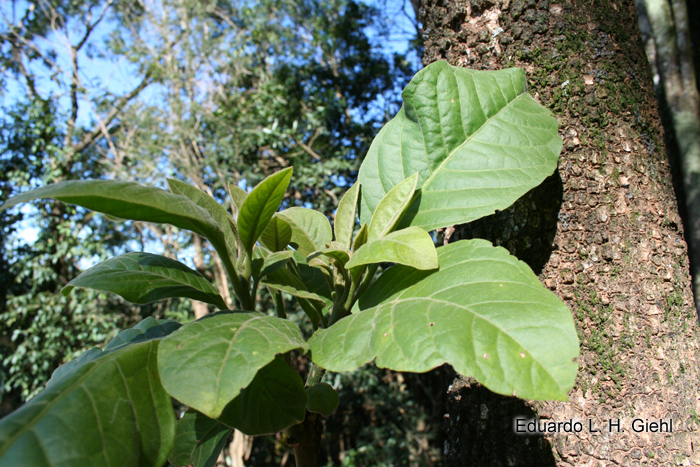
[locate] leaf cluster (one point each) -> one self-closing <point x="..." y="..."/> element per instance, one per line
<point x="464" y="144"/>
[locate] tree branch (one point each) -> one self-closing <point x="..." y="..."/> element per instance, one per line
<point x="89" y="138"/>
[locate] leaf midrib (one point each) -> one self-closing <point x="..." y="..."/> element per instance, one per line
<point x="428" y="180"/>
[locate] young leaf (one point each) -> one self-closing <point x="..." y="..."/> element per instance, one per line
<point x="259" y="207"/>
<point x="477" y="139"/>
<point x="238" y="195"/>
<point x="344" y="224"/>
<point x="336" y="251"/>
<point x="286" y="281"/>
<point x="360" y="238"/>
<point x="217" y="211"/>
<point x="274" y="401"/>
<point x="108" y="411"/>
<point x="277" y="234"/>
<point x="391" y="208"/>
<point x="483" y="312"/>
<point x="323" y="399"/>
<point x="314" y="223"/>
<point x="275" y="261"/>
<point x="205" y="364"/>
<point x="412" y="246"/>
<point x="198" y="440"/>
<point x="144" y="278"/>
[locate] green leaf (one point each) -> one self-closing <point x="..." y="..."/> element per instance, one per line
<point x="277" y="234"/>
<point x="314" y="223"/>
<point x="144" y="278"/>
<point x="344" y="224"/>
<point x="198" y="440"/>
<point x="391" y="208"/>
<point x="274" y="401"/>
<point x="259" y="207"/>
<point x="300" y="241"/>
<point x="129" y="200"/>
<point x="360" y="238"/>
<point x="412" y="247"/>
<point x="336" y="251"/>
<point x="108" y="411"/>
<point x="323" y="399"/>
<point x="147" y="329"/>
<point x="276" y="261"/>
<point x="286" y="281"/>
<point x="238" y="195"/>
<point x="217" y="211"/>
<point x="483" y="312"/>
<point x="477" y="139"/>
<point x="206" y="363"/>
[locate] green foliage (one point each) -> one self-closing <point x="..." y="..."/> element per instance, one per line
<point x="476" y="139"/>
<point x="96" y="412"/>
<point x="144" y="278"/>
<point x="468" y="304"/>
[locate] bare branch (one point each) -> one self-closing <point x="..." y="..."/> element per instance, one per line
<point x="89" y="138"/>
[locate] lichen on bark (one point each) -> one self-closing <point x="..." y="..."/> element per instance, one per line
<point x="616" y="253"/>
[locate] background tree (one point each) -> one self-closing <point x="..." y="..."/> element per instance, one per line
<point x="212" y="92"/>
<point x="665" y="28"/>
<point x="610" y="244"/>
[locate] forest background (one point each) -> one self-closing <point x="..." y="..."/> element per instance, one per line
<point x="210" y="93"/>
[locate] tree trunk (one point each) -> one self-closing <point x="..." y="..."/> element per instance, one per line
<point x="603" y="233"/>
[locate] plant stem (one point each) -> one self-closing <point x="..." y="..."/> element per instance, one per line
<point x="315" y="375"/>
<point x="372" y="270"/>
<point x="305" y="440"/>
<point x="279" y="304"/>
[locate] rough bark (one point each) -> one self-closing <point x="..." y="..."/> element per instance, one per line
<point x="611" y="246"/>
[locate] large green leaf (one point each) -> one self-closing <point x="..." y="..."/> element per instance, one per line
<point x="217" y="211"/>
<point x="273" y="401"/>
<point x="483" y="312"/>
<point x="345" y="216"/>
<point x="206" y="363"/>
<point x="110" y="411"/>
<point x="147" y="329"/>
<point x="129" y="200"/>
<point x="314" y="223"/>
<point x="144" y="278"/>
<point x="259" y="207"/>
<point x="477" y="139"/>
<point x="198" y="440"/>
<point x="412" y="246"/>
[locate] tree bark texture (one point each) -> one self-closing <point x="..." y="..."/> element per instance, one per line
<point x="603" y="233"/>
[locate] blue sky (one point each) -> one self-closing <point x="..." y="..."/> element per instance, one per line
<point x="118" y="77"/>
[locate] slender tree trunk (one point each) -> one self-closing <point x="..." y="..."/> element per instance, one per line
<point x="669" y="51"/>
<point x="603" y="233"/>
